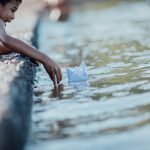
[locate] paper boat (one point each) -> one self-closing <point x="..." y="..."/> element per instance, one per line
<point x="77" y="74"/>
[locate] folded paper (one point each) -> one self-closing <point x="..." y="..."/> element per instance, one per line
<point x="77" y="74"/>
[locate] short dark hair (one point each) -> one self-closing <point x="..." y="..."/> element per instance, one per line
<point x="4" y="2"/>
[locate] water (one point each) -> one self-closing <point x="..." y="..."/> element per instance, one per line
<point x="113" y="110"/>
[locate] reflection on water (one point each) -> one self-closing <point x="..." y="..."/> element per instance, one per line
<point x="113" y="111"/>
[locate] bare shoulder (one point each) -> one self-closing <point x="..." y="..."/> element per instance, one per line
<point x="2" y="24"/>
<point x="2" y="30"/>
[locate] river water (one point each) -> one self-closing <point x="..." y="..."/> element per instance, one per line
<point x="111" y="111"/>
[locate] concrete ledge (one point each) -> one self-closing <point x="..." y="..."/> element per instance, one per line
<point x="16" y="77"/>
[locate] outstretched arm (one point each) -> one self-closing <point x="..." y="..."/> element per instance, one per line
<point x="4" y="49"/>
<point x="19" y="46"/>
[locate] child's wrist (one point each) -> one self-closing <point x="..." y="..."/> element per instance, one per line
<point x="42" y="58"/>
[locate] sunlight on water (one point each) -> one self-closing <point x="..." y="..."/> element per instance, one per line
<point x="113" y="111"/>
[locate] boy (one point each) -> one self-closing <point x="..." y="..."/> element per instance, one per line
<point x="8" y="43"/>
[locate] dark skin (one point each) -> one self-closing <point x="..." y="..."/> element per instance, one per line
<point x="7" y="42"/>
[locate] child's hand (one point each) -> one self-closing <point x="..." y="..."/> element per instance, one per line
<point x="53" y="70"/>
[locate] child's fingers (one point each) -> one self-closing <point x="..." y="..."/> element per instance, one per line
<point x="60" y="74"/>
<point x="52" y="76"/>
<point x="58" y="77"/>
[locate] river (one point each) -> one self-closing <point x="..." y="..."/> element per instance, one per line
<point x="111" y="111"/>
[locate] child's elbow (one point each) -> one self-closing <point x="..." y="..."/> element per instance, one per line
<point x="5" y="39"/>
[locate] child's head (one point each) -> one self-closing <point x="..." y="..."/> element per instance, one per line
<point x="8" y="9"/>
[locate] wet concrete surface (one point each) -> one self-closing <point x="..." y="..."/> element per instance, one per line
<point x="16" y="94"/>
<point x="17" y="74"/>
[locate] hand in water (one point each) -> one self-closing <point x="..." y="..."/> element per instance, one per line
<point x="56" y="92"/>
<point x="53" y="70"/>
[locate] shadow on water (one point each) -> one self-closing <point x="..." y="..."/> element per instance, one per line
<point x="113" y="111"/>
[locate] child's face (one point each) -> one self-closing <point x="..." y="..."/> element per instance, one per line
<point x="7" y="12"/>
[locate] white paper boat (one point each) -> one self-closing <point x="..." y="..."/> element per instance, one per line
<point x="77" y="74"/>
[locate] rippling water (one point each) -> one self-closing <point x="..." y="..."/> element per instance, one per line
<point x="113" y="110"/>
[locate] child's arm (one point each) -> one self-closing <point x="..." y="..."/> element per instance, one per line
<point x="19" y="46"/>
<point x="4" y="49"/>
<point x="50" y="66"/>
